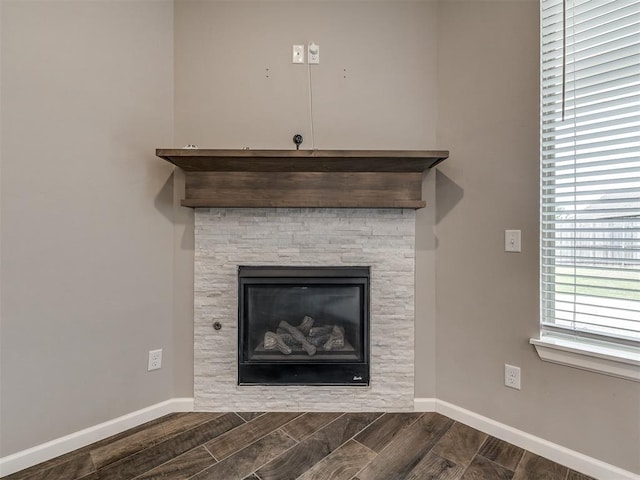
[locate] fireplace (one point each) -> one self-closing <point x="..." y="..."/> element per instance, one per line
<point x="303" y="208"/>
<point x="303" y="325"/>
<point x="380" y="240"/>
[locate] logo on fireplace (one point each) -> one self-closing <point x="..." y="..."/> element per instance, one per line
<point x="357" y="378"/>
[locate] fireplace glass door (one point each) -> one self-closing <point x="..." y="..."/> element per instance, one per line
<point x="303" y="326"/>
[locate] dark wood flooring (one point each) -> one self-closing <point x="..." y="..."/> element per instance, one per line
<point x="305" y="446"/>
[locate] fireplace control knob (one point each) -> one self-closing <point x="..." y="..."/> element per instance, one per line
<point x="217" y="325"/>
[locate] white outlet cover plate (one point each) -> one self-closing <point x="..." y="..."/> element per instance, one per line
<point x="155" y="360"/>
<point x="314" y="54"/>
<point x="511" y="376"/>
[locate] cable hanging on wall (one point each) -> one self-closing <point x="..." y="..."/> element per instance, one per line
<point x="310" y="86"/>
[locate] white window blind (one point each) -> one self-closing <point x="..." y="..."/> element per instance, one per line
<point x="590" y="168"/>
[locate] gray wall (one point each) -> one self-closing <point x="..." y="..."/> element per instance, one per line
<point x="87" y="231"/>
<point x="88" y="224"/>
<point x="388" y="100"/>
<point x="456" y="75"/>
<point x="487" y="300"/>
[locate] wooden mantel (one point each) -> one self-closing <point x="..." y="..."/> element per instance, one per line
<point x="303" y="178"/>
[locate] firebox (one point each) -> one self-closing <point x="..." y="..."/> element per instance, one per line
<point x="303" y="325"/>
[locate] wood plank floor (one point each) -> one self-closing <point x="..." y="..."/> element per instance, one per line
<point x="305" y="446"/>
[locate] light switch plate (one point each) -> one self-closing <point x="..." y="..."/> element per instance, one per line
<point x="512" y="241"/>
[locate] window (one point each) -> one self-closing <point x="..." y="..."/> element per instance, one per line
<point x="590" y="177"/>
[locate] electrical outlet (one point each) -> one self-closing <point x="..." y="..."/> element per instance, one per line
<point x="314" y="54"/>
<point x="155" y="360"/>
<point x="512" y="376"/>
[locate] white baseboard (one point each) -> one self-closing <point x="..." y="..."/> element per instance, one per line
<point x="557" y="453"/>
<point x="424" y="404"/>
<point x="46" y="451"/>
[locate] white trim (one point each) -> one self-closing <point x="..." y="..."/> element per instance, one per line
<point x="570" y="458"/>
<point x="557" y="453"/>
<point x="424" y="404"/>
<point x="59" y="446"/>
<point x="588" y="355"/>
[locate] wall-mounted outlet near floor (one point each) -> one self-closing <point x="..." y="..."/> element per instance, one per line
<point x="155" y="359"/>
<point x="512" y="376"/>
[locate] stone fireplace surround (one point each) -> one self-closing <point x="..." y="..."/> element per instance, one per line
<point x="383" y="239"/>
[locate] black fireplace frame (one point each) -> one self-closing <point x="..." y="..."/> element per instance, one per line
<point x="333" y="373"/>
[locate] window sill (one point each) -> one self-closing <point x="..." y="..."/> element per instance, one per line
<point x="591" y="355"/>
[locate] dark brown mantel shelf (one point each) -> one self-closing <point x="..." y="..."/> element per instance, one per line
<point x="303" y="178"/>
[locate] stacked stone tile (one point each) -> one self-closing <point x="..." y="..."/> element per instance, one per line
<point x="383" y="239"/>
